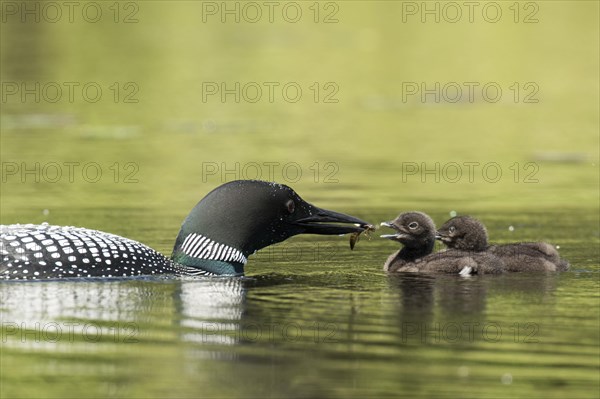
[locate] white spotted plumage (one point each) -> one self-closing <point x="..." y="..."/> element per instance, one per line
<point x="45" y="251"/>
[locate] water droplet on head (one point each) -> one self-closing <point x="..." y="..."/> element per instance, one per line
<point x="452" y="214"/>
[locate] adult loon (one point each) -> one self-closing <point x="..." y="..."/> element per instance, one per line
<point x="416" y="232"/>
<point x="229" y="224"/>
<point x="469" y="234"/>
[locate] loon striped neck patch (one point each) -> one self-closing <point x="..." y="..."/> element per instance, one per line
<point x="199" y="246"/>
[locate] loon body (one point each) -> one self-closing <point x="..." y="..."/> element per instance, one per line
<point x="469" y="234"/>
<point x="228" y="225"/>
<point x="43" y="251"/>
<point x="416" y="232"/>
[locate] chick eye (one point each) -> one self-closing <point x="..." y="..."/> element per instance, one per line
<point x="413" y="225"/>
<point x="291" y="206"/>
<point x="452" y="229"/>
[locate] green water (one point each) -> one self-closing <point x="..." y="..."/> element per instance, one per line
<point x="312" y="319"/>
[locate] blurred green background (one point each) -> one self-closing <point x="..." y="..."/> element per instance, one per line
<point x="155" y="67"/>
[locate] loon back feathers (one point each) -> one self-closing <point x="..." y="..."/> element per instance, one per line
<point x="44" y="251"/>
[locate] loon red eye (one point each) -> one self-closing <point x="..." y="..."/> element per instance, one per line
<point x="291" y="206"/>
<point x="413" y="225"/>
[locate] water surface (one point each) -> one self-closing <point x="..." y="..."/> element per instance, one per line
<point x="312" y="318"/>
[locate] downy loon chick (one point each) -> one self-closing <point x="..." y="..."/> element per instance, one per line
<point x="469" y="234"/>
<point x="416" y="232"/>
<point x="229" y="224"/>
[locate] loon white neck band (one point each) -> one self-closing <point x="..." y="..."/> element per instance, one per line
<point x="201" y="247"/>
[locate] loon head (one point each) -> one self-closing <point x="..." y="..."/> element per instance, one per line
<point x="240" y="217"/>
<point x="464" y="233"/>
<point x="413" y="230"/>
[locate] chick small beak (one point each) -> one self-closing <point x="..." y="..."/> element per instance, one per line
<point x="395" y="236"/>
<point x="441" y="237"/>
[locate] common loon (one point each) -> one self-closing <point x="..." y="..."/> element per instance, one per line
<point x="416" y="232"/>
<point x="469" y="234"/>
<point x="229" y="224"/>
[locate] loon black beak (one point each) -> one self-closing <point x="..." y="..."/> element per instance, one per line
<point x="320" y="222"/>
